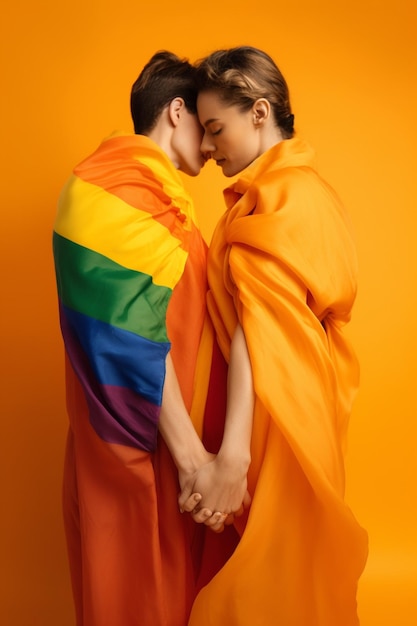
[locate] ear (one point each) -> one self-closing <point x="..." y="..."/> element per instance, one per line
<point x="175" y="110"/>
<point x="261" y="111"/>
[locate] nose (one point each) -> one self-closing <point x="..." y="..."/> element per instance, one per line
<point x="207" y="146"/>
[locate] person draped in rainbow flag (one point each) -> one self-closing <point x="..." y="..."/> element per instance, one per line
<point x="143" y="373"/>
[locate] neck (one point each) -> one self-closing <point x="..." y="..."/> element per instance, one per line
<point x="161" y="134"/>
<point x="270" y="138"/>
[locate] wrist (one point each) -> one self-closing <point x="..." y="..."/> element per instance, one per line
<point x="192" y="458"/>
<point x="232" y="458"/>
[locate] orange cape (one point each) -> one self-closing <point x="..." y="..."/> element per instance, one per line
<point x="282" y="262"/>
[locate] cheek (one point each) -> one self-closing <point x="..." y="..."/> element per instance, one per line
<point x="197" y="137"/>
<point x="237" y="142"/>
<point x="248" y="144"/>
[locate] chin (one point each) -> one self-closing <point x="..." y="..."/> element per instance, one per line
<point x="192" y="170"/>
<point x="227" y="168"/>
<point x="228" y="172"/>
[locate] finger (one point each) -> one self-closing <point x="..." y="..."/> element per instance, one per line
<point x="200" y="516"/>
<point x="229" y="519"/>
<point x="247" y="500"/>
<point x="239" y="512"/>
<point x="216" y="520"/>
<point x="218" y="526"/>
<point x="217" y="529"/>
<point x="190" y="504"/>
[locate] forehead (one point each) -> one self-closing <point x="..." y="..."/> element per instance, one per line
<point x="211" y="107"/>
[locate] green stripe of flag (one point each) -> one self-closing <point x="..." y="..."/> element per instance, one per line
<point x="94" y="285"/>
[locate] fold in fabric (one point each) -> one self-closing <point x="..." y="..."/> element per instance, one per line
<point x="282" y="262"/>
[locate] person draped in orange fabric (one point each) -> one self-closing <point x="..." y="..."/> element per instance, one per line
<point x="282" y="272"/>
<point x="140" y="361"/>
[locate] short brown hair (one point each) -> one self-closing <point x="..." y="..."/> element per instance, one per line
<point x="243" y="74"/>
<point x="163" y="78"/>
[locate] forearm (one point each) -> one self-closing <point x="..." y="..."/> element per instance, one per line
<point x="176" y="428"/>
<point x="223" y="482"/>
<point x="235" y="446"/>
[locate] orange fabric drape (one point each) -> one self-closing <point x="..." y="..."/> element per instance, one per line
<point x="282" y="262"/>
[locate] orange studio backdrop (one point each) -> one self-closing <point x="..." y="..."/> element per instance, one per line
<point x="67" y="68"/>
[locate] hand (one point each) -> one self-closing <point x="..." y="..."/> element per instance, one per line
<point x="187" y="477"/>
<point x="223" y="485"/>
<point x="216" y="521"/>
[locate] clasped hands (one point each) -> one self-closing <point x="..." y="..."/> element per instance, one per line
<point x="215" y="493"/>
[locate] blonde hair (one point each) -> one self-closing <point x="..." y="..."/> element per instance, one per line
<point x="242" y="75"/>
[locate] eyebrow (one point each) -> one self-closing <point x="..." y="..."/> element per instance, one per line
<point x="212" y="119"/>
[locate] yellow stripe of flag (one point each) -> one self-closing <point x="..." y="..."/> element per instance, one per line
<point x="100" y="221"/>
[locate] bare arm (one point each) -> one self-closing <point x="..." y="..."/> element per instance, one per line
<point x="223" y="482"/>
<point x="179" y="434"/>
<point x="235" y="446"/>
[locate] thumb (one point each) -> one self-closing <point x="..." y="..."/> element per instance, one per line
<point x="187" y="500"/>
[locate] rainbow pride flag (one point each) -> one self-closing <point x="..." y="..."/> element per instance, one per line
<point x="120" y="245"/>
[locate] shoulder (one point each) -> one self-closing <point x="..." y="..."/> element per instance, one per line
<point x="299" y="187"/>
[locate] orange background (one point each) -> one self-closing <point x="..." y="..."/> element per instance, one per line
<point x="67" y="68"/>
